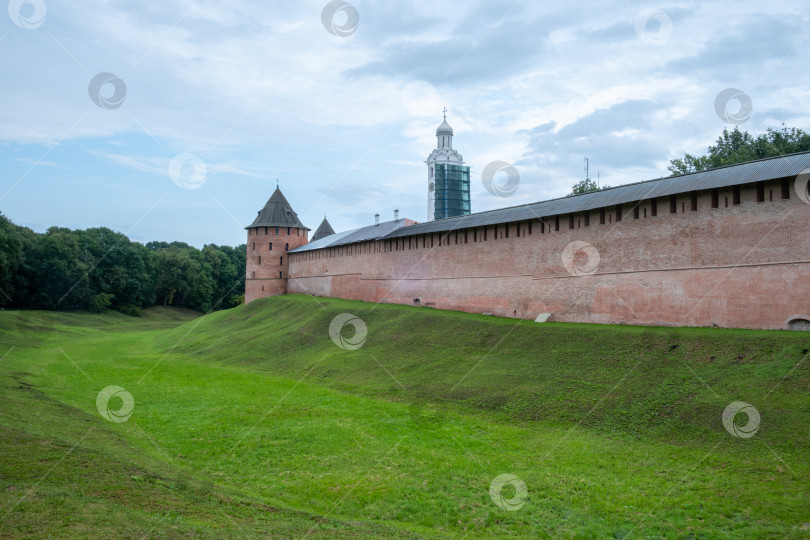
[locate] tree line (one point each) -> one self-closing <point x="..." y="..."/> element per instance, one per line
<point x="740" y="146"/>
<point x="99" y="269"/>
<point x="731" y="147"/>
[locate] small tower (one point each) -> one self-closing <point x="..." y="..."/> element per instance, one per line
<point x="275" y="231"/>
<point x="448" y="177"/>
<point x="323" y="230"/>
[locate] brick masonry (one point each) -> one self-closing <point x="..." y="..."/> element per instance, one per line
<point x="743" y="265"/>
<point x="268" y="264"/>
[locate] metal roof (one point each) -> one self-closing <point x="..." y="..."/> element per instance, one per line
<point x="323" y="230"/>
<point x="363" y="234"/>
<point x="277" y="212"/>
<point x="731" y="175"/>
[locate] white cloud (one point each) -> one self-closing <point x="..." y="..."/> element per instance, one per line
<point x="261" y="91"/>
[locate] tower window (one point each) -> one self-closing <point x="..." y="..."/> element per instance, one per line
<point x="260" y="259"/>
<point x="253" y="274"/>
<point x="281" y="260"/>
<point x="288" y="231"/>
<point x="286" y="247"/>
<point x="280" y="275"/>
<point x="254" y="245"/>
<point x="271" y="246"/>
<point x="265" y="230"/>
<point x="276" y="231"/>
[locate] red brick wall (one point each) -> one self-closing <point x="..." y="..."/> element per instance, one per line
<point x="264" y="264"/>
<point x="744" y="265"/>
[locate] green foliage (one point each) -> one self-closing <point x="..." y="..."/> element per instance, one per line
<point x="11" y="259"/>
<point x="586" y="186"/>
<point x="99" y="269"/>
<point x="100" y="302"/>
<point x="251" y="423"/>
<point x="739" y="146"/>
<point x="129" y="309"/>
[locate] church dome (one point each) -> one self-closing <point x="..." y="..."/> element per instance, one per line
<point x="444" y="129"/>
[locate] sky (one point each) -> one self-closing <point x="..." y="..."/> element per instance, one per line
<point x="174" y="120"/>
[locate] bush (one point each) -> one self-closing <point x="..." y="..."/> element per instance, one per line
<point x="131" y="310"/>
<point x="100" y="302"/>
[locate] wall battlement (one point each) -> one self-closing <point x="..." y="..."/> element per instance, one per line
<point x="731" y="257"/>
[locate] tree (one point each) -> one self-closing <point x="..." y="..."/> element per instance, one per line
<point x="738" y="146"/>
<point x="11" y="259"/>
<point x="100" y="269"/>
<point x="585" y="186"/>
<point x="59" y="271"/>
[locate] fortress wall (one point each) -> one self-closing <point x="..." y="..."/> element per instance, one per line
<point x="745" y="265"/>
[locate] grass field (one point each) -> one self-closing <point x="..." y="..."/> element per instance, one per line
<point x="253" y="422"/>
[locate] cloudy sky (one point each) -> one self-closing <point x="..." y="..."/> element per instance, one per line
<point x="173" y="120"/>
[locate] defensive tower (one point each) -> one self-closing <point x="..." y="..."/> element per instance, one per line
<point x="274" y="232"/>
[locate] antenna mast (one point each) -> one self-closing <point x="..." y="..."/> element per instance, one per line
<point x="587" y="176"/>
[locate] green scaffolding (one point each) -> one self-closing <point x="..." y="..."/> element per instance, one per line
<point x="452" y="191"/>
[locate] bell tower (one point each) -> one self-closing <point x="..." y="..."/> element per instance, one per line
<point x="448" y="177"/>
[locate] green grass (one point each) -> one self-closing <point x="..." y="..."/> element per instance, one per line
<point x="252" y="422"/>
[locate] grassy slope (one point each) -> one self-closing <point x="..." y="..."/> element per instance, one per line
<point x="615" y="430"/>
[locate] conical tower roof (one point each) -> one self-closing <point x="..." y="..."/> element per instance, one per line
<point x="277" y="213"/>
<point x="324" y="229"/>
